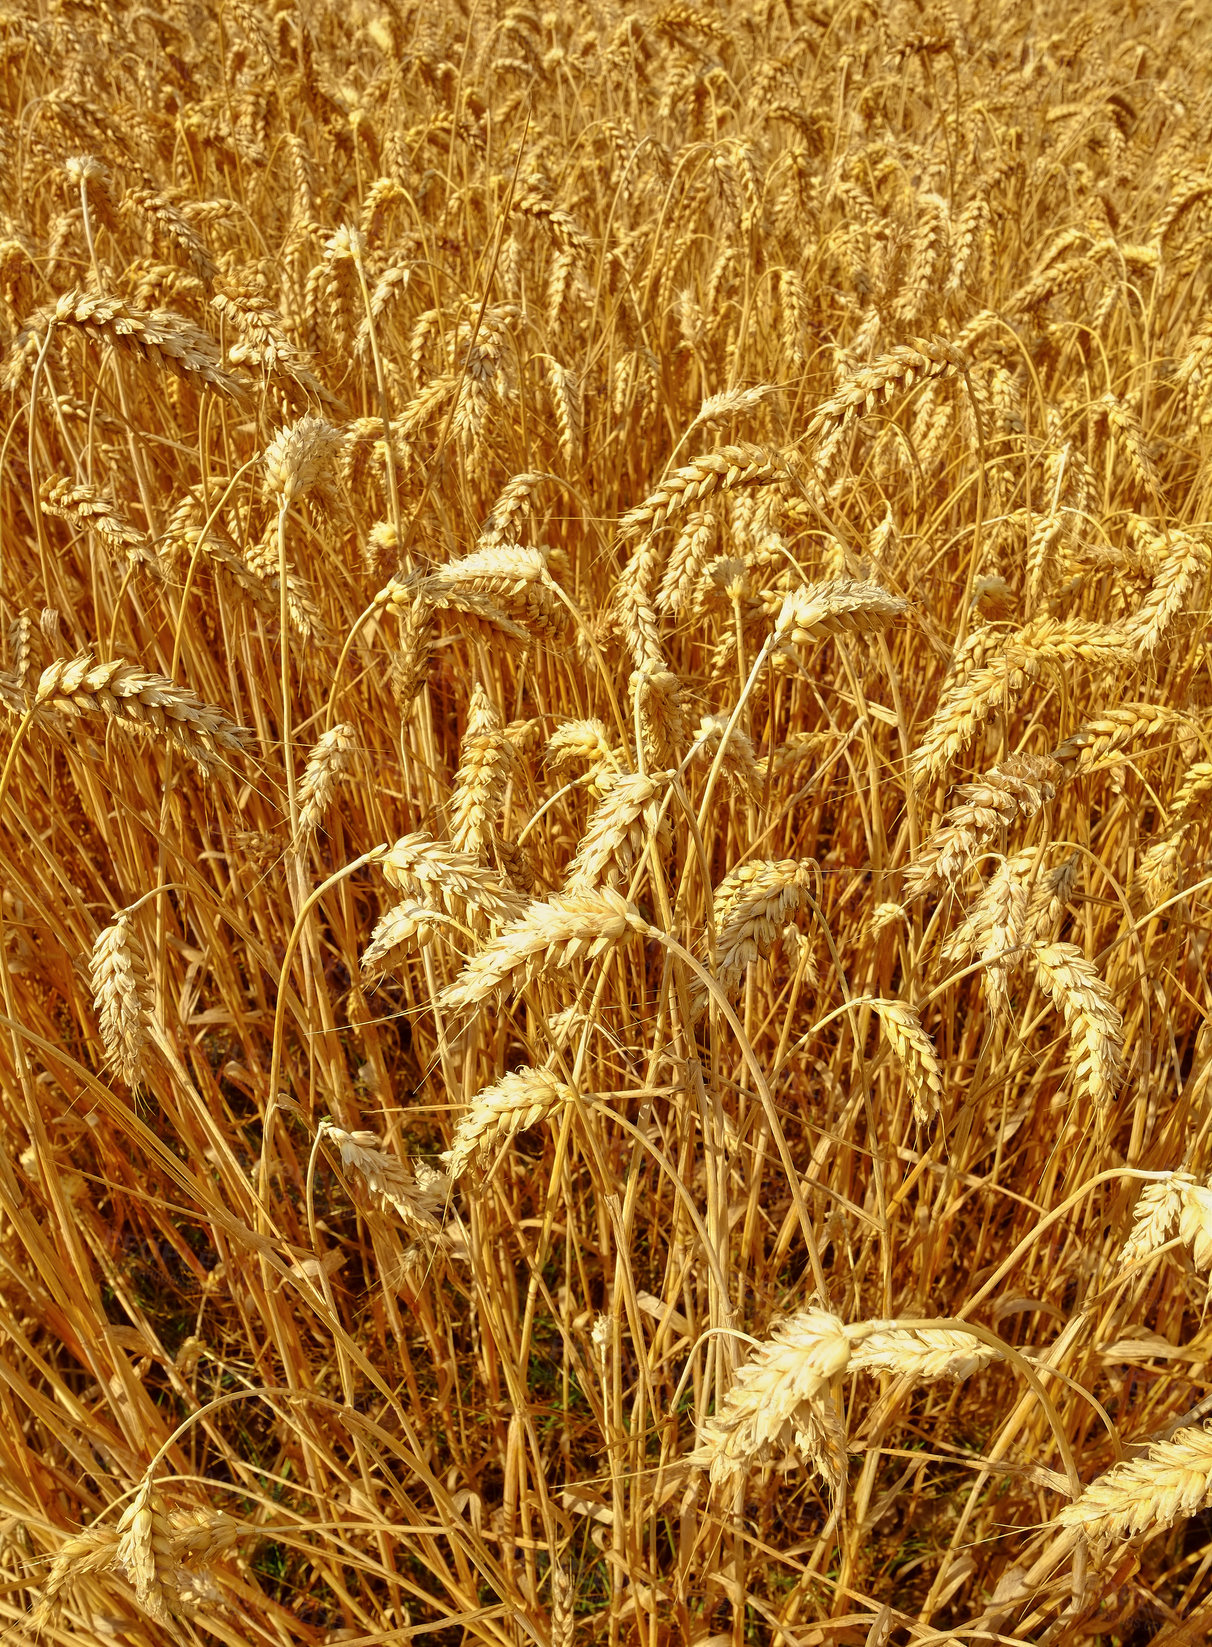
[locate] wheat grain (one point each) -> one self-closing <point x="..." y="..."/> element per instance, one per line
<point x="752" y="904"/>
<point x="417" y="1197"/>
<point x="922" y="1353"/>
<point x="722" y="470"/>
<point x="626" y="818"/>
<point x="142" y="1550"/>
<point x="480" y="781"/>
<point x="780" y="1395"/>
<point x="1155" y="1215"/>
<point x="95" y="1549"/>
<point x="1018" y="788"/>
<point x="158" y="336"/>
<point x="419" y="865"/>
<point x="88" y="508"/>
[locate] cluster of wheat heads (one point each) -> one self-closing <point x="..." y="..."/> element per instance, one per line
<point x="605" y="804"/>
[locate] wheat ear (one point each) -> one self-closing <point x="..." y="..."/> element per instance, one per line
<point x="914" y="1051"/>
<point x="1139" y="1495"/>
<point x="1095" y="1026"/>
<point x="140" y="701"/>
<point x="517" y="1101"/>
<point x="122" y="996"/>
<point x="548" y="936"/>
<point x="329" y="762"/>
<point x="781" y="1394"/>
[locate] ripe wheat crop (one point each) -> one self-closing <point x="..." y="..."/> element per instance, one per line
<point x="605" y="823"/>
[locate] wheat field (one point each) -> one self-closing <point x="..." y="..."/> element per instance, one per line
<point x="606" y="802"/>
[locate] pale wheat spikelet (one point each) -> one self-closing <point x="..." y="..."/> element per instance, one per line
<point x="169" y="1553"/>
<point x="122" y="995"/>
<point x="1169" y="596"/>
<point x="885" y="916"/>
<point x="418" y="1196"/>
<point x="1095" y="1026"/>
<point x="1046" y="907"/>
<point x="517" y="1101"/>
<point x="585" y="741"/>
<point x="511" y="576"/>
<point x="967" y="242"/>
<point x="929" y="248"/>
<point x="1100" y="739"/>
<point x="143" y="1551"/>
<point x="634" y="611"/>
<point x="88" y="508"/>
<point x="1131" y="440"/>
<point x="780" y="1396"/>
<point x="1158" y="870"/>
<point x="137" y="700"/>
<point x="1018" y="788"/>
<point x="92" y="1550"/>
<point x="996" y="926"/>
<point x="722" y="470"/>
<point x="263" y="560"/>
<point x="626" y="818"/>
<point x="659" y="696"/>
<point x="689" y="555"/>
<point x="479" y="789"/>
<point x="923" y="1353"/>
<point x="504" y="519"/>
<point x="563" y="1616"/>
<point x="411" y="660"/>
<point x="20" y="648"/>
<point x="329" y="761"/>
<point x="844" y="606"/>
<point x="1195" y="1222"/>
<point x="405" y="923"/>
<point x="155" y="335"/>
<point x="752" y="904"/>
<point x="1157" y="873"/>
<point x="433" y="872"/>
<point x="914" y="1052"/>
<point x="1045" y="644"/>
<point x="799" y="748"/>
<point x="570" y="926"/>
<point x="301" y="458"/>
<point x="566" y="402"/>
<point x="1172" y="1480"/>
<point x="166" y="221"/>
<point x="263" y="343"/>
<point x="730" y="403"/>
<point x="1154" y="1217"/>
<point x="739" y="764"/>
<point x="860" y="392"/>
